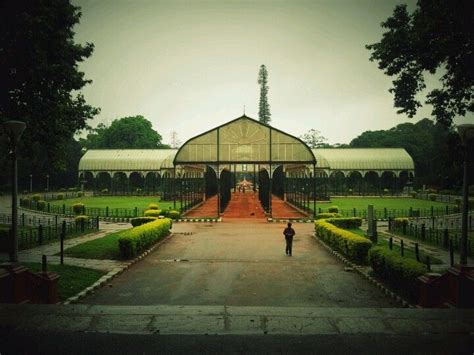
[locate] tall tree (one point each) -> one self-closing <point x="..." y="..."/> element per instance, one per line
<point x="437" y="36"/>
<point x="39" y="79"/>
<point x="314" y="139"/>
<point x="134" y="132"/>
<point x="264" y="106"/>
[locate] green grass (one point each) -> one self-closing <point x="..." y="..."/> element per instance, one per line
<point x="101" y="248"/>
<point x="130" y="202"/>
<point x="409" y="252"/>
<point x="396" y="203"/>
<point x="73" y="278"/>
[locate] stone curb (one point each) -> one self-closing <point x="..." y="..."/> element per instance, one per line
<point x="113" y="273"/>
<point x="361" y="271"/>
<point x="193" y="220"/>
<point x="285" y="220"/>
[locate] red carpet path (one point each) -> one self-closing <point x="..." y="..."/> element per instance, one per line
<point x="245" y="205"/>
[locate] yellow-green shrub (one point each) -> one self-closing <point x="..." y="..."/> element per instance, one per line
<point x="152" y="206"/>
<point x="400" y="272"/>
<point x="80" y="194"/>
<point x="326" y="215"/>
<point x="138" y="221"/>
<point x="36" y="197"/>
<point x="173" y="214"/>
<point x="350" y="244"/>
<point x="152" y="213"/>
<point x="60" y="196"/>
<point x="78" y="208"/>
<point x="399" y="221"/>
<point x="133" y="241"/>
<point x="40" y="205"/>
<point x="333" y="209"/>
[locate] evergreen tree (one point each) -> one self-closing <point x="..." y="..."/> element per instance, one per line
<point x="264" y="106"/>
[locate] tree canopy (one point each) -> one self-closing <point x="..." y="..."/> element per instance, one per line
<point x="133" y="132"/>
<point x="314" y="139"/>
<point x="40" y="84"/>
<point x="435" y="38"/>
<point x="264" y="115"/>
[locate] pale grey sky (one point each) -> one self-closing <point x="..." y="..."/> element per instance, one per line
<point x="189" y="66"/>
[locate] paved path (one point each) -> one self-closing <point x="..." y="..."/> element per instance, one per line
<point x="240" y="263"/>
<point x="83" y="329"/>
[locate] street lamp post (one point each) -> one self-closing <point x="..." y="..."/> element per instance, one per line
<point x="466" y="132"/>
<point x="31" y="183"/>
<point x="47" y="182"/>
<point x="14" y="129"/>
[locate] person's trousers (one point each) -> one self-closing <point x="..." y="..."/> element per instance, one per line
<point x="289" y="245"/>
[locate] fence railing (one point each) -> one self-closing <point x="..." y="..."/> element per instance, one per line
<point x="439" y="237"/>
<point x="31" y="236"/>
<point x="385" y="213"/>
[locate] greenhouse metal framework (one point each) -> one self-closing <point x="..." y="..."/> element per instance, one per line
<point x="273" y="162"/>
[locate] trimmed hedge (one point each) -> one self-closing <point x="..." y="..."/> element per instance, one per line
<point x="399" y="221"/>
<point x="36" y="197"/>
<point x="153" y="206"/>
<point x="152" y="213"/>
<point x="333" y="209"/>
<point x="78" y="208"/>
<point x="346" y="222"/>
<point x="60" y="196"/>
<point x="40" y="205"/>
<point x="173" y="214"/>
<point x="350" y="244"/>
<point x="133" y="241"/>
<point x="400" y="272"/>
<point x="81" y="218"/>
<point x="141" y="220"/>
<point x="327" y="215"/>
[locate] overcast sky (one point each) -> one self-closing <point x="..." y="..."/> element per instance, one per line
<point x="189" y="66"/>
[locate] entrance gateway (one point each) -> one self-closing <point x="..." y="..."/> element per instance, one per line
<point x="240" y="155"/>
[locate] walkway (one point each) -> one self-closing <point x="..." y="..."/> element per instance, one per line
<point x="281" y="209"/>
<point x="207" y="209"/>
<point x="240" y="263"/>
<point x="244" y="205"/>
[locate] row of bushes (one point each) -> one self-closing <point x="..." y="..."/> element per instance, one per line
<point x="133" y="241"/>
<point x="400" y="272"/>
<point x="350" y="244"/>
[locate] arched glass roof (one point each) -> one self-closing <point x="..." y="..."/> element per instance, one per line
<point x="124" y="159"/>
<point x="244" y="140"/>
<point x="363" y="159"/>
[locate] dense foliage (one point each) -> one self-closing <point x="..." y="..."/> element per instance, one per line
<point x="134" y="132"/>
<point x="40" y="84"/>
<point x="437" y="39"/>
<point x="264" y="115"/>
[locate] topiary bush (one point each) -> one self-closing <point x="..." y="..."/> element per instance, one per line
<point x="400" y="272"/>
<point x="432" y="197"/>
<point x="350" y="244"/>
<point x="133" y="241"/>
<point x="138" y="221"/>
<point x="80" y="194"/>
<point x="152" y="213"/>
<point x="399" y="221"/>
<point x="40" y="205"/>
<point x="333" y="209"/>
<point x="78" y="208"/>
<point x="326" y="215"/>
<point x="153" y="206"/>
<point x="413" y="194"/>
<point x="173" y="214"/>
<point x="36" y="197"/>
<point x="105" y="191"/>
<point x="60" y="196"/>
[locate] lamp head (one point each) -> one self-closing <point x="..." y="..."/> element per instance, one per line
<point x="14" y="129"/>
<point x="466" y="132"/>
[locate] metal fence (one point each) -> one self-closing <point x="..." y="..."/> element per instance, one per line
<point x="385" y="213"/>
<point x="438" y="237"/>
<point x="31" y="236"/>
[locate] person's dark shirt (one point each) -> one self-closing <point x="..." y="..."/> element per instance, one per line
<point x="289" y="232"/>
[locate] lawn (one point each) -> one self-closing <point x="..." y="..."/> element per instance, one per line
<point x="409" y="251"/>
<point x="129" y="202"/>
<point x="101" y="248"/>
<point x="73" y="278"/>
<point x="395" y="203"/>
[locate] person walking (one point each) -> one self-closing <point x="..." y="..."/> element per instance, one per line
<point x="289" y="233"/>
